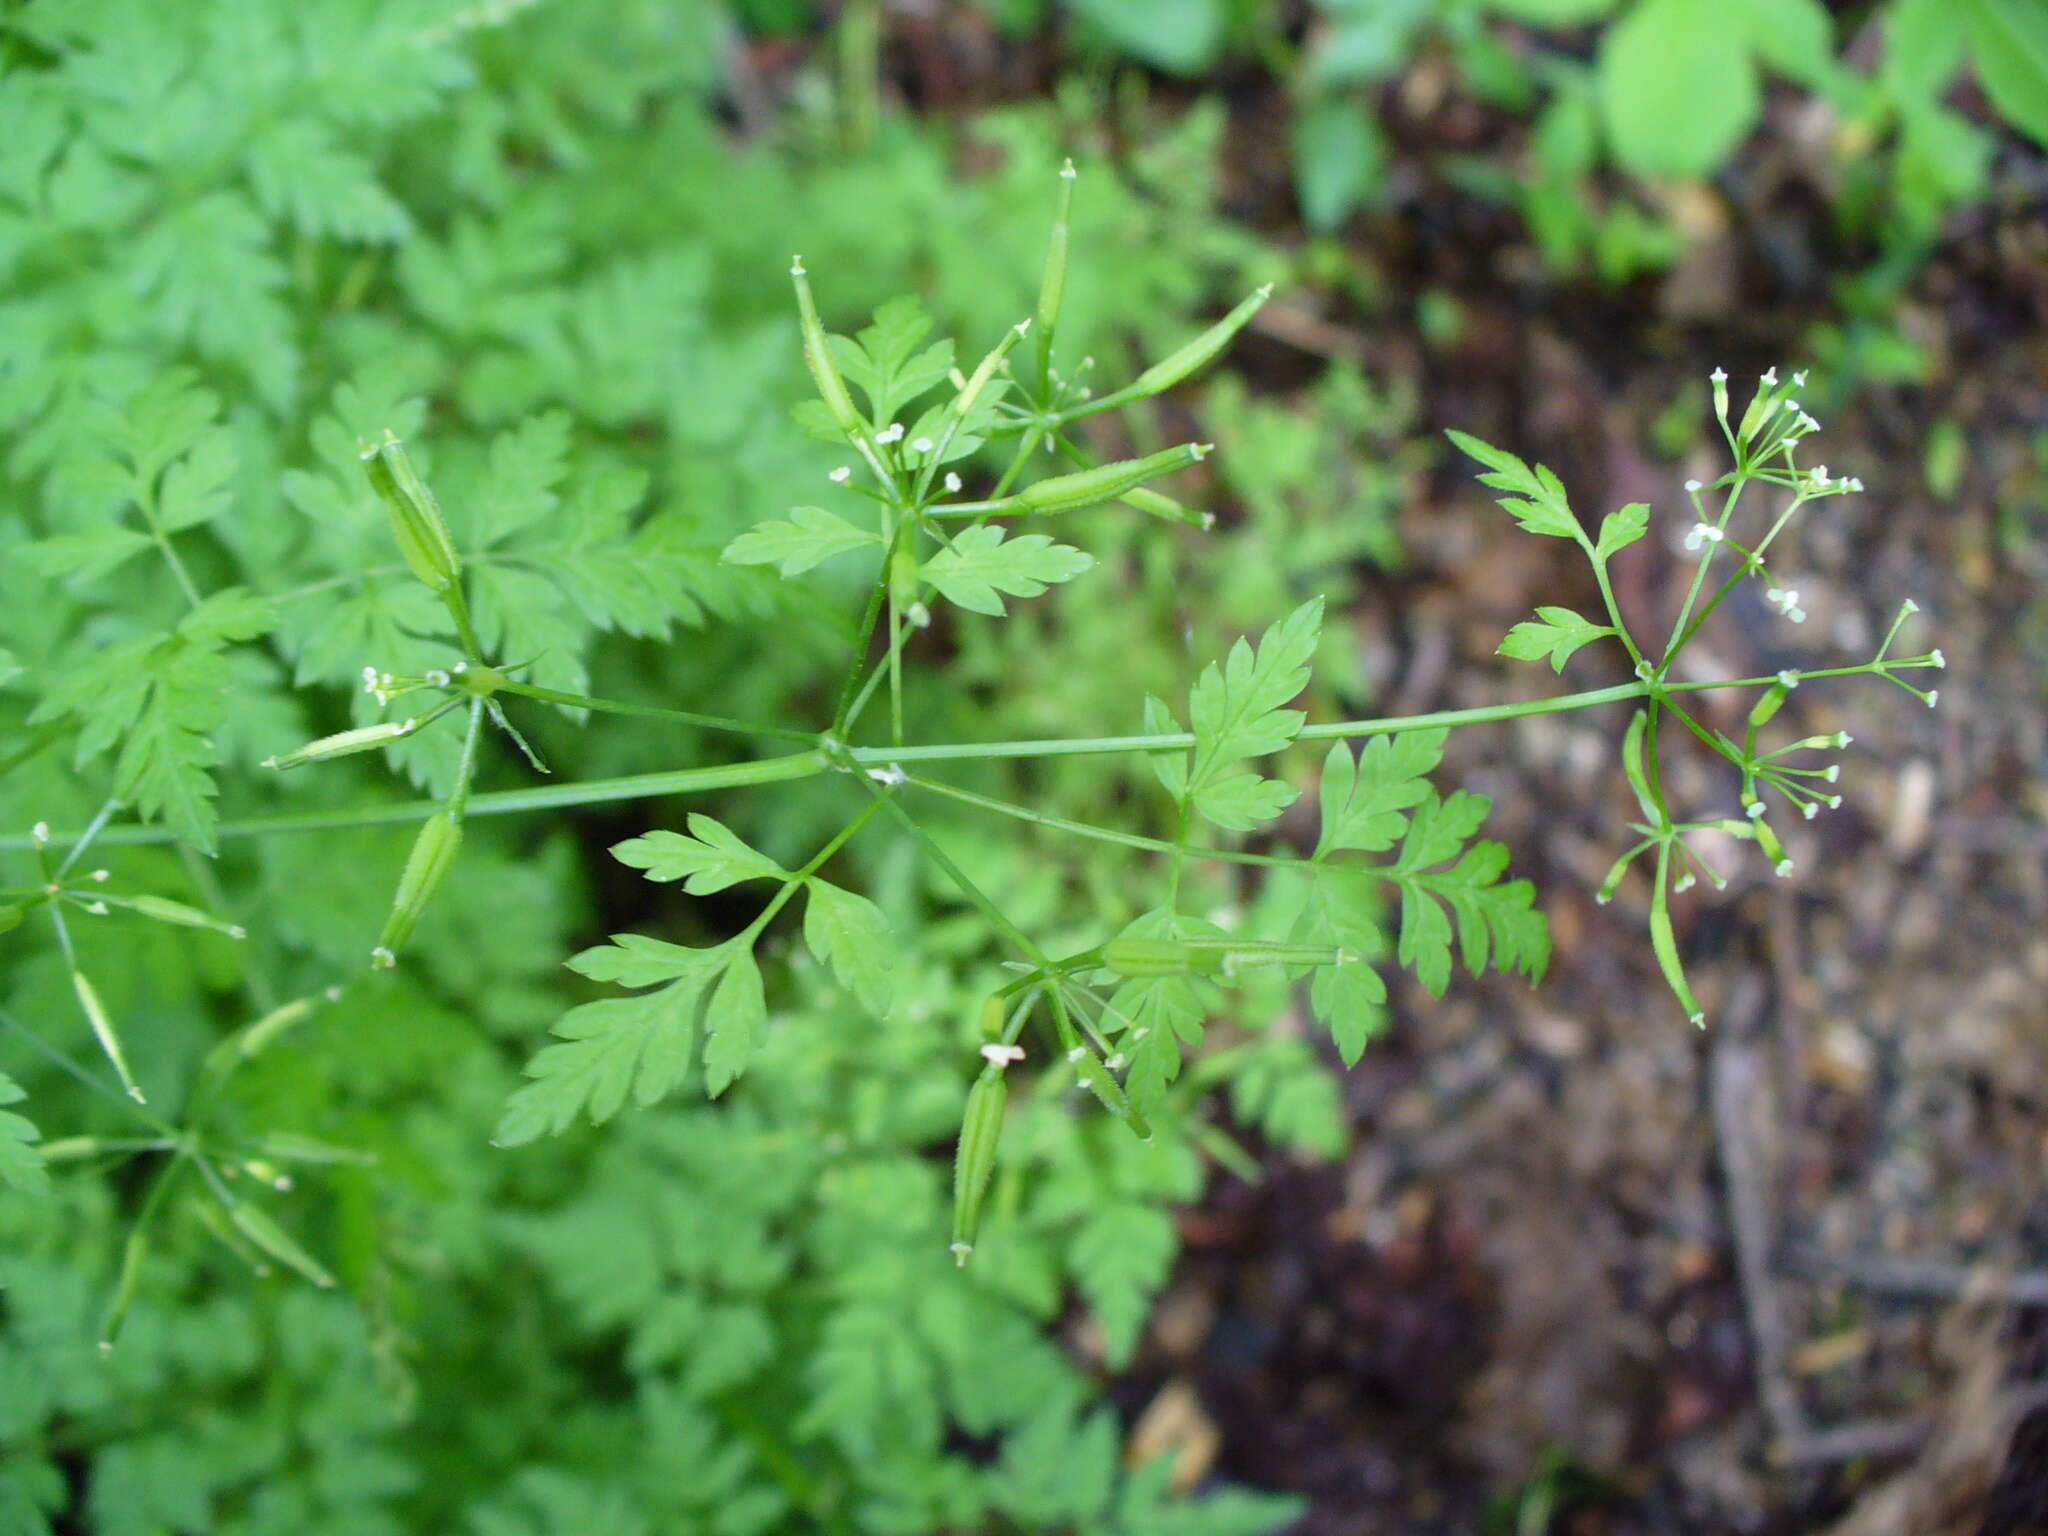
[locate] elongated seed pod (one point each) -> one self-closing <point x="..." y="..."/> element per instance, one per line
<point x="1067" y="493"/>
<point x="363" y="738"/>
<point x="104" y="1032"/>
<point x="133" y="1253"/>
<point x="1768" y="706"/>
<point x="416" y="524"/>
<point x="165" y="910"/>
<point x="1665" y="942"/>
<point x="257" y="1226"/>
<point x="970" y="392"/>
<point x="1152" y="502"/>
<point x="994" y="1010"/>
<point x="981" y="1128"/>
<point x="1185" y="360"/>
<point x="818" y="357"/>
<point x="1140" y="958"/>
<point x="432" y="854"/>
<point x="1052" y="284"/>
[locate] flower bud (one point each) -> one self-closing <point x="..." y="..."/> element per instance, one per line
<point x="432" y="854"/>
<point x="416" y="523"/>
<point x="981" y="1128"/>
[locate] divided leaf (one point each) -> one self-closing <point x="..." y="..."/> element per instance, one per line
<point x="1235" y="712"/>
<point x="849" y="933"/>
<point x="1621" y="528"/>
<point x="21" y="1166"/>
<point x="643" y="1045"/>
<point x="807" y="537"/>
<point x="1535" y="497"/>
<point x="709" y="858"/>
<point x="1554" y="632"/>
<point x="982" y="562"/>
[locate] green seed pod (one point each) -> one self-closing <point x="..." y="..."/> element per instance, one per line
<point x="1665" y="943"/>
<point x="903" y="577"/>
<point x="363" y="738"/>
<point x="257" y="1226"/>
<point x="1178" y="364"/>
<point x="103" y="1031"/>
<point x="1052" y="286"/>
<point x="416" y="523"/>
<point x="432" y="854"/>
<point x="1067" y="493"/>
<point x="818" y="357"/>
<point x="981" y="1128"/>
<point x="167" y="911"/>
<point x="1768" y="705"/>
<point x="1141" y="958"/>
<point x="994" y="1010"/>
<point x="970" y="392"/>
<point x="133" y="1252"/>
<point x="1098" y="1080"/>
<point x="1151" y="502"/>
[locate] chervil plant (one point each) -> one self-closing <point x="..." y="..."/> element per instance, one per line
<point x="902" y="935"/>
<point x="1113" y="1017"/>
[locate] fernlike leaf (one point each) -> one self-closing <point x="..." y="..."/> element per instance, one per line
<point x="807" y="537"/>
<point x="21" y="1166"/>
<point x="1621" y="528"/>
<point x="709" y="858"/>
<point x="1535" y="497"/>
<point x="1554" y="632"/>
<point x="850" y="934"/>
<point x="982" y="562"/>
<point x="640" y="1046"/>
<point x="1235" y="711"/>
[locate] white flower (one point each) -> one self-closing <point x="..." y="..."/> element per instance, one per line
<point x="893" y="433"/>
<point x="1784" y="599"/>
<point x="1809" y="809"/>
<point x="1684" y="882"/>
<point x="39" y="834"/>
<point x="1789" y="679"/>
<point x="1834" y="772"/>
<point x="841" y="475"/>
<point x="1754" y="810"/>
<point x="1933" y="696"/>
<point x="1937" y="658"/>
<point x="1002" y="1055"/>
<point x="952" y="483"/>
<point x="920" y="445"/>
<point x="100" y="876"/>
<point x="1784" y="868"/>
<point x="1693" y="487"/>
<point x="1701" y="534"/>
<point x="1819" y="475"/>
<point x="891" y="775"/>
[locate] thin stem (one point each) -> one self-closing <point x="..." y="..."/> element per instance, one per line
<point x="92" y="830"/>
<point x="1104" y="834"/>
<point x="958" y="876"/>
<point x="1699" y="576"/>
<point x="652" y="712"/>
<point x="803" y="765"/>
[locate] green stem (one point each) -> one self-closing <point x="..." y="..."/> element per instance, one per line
<point x="1103" y="834"/>
<point x="958" y="876"/>
<point x="652" y="712"/>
